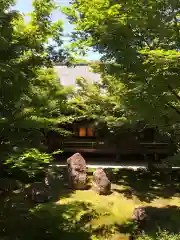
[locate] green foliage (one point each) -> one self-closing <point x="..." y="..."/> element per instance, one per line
<point x="160" y="236"/>
<point x="93" y="101"/>
<point x="139" y="44"/>
<point x="32" y="101"/>
<point x="32" y="162"/>
<point x="121" y="27"/>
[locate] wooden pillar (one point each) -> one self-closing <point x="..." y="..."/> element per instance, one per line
<point x="117" y="157"/>
<point x="156" y="157"/>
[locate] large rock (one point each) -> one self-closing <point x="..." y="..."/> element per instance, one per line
<point x="140" y="216"/>
<point x="38" y="192"/>
<point x="77" y="172"/>
<point x="101" y="183"/>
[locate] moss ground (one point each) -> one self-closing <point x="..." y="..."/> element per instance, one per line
<point x="86" y="215"/>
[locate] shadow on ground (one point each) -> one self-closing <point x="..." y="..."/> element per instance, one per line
<point x="46" y="221"/>
<point x="22" y="219"/>
<point x="59" y="184"/>
<point x="146" y="185"/>
<point x="159" y="219"/>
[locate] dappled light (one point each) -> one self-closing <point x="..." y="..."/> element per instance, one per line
<point x="147" y="185"/>
<point x="83" y="214"/>
<point x="122" y="112"/>
<point x="159" y="219"/>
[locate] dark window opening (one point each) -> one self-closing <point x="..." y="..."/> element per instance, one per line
<point x="147" y="135"/>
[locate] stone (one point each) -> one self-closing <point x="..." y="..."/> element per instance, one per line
<point x="51" y="176"/>
<point x="77" y="172"/>
<point x="101" y="183"/>
<point x="9" y="184"/>
<point x="38" y="192"/>
<point x="140" y="216"/>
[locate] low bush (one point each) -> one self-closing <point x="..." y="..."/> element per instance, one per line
<point x="160" y="236"/>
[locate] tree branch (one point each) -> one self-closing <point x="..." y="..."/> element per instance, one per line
<point x="174" y="108"/>
<point x="173" y="92"/>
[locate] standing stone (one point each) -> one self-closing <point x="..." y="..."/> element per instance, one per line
<point x="101" y="183"/>
<point x="140" y="216"/>
<point x="49" y="178"/>
<point x="38" y="192"/>
<point x="77" y="172"/>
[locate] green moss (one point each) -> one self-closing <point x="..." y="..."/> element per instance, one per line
<point x="86" y="215"/>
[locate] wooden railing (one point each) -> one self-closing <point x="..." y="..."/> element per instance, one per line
<point x="74" y="144"/>
<point x="141" y="147"/>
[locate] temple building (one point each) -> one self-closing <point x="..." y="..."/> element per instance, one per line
<point x="85" y="138"/>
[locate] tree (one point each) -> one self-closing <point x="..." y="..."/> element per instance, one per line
<point x="139" y="43"/>
<point x="32" y="101"/>
<point x="93" y="101"/>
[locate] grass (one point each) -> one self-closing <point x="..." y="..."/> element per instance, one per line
<point x="86" y="215"/>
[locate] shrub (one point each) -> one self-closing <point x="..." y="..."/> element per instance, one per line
<point x="31" y="163"/>
<point x="160" y="236"/>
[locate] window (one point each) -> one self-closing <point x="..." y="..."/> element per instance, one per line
<point x="82" y="132"/>
<point x="86" y="132"/>
<point x="90" y="132"/>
